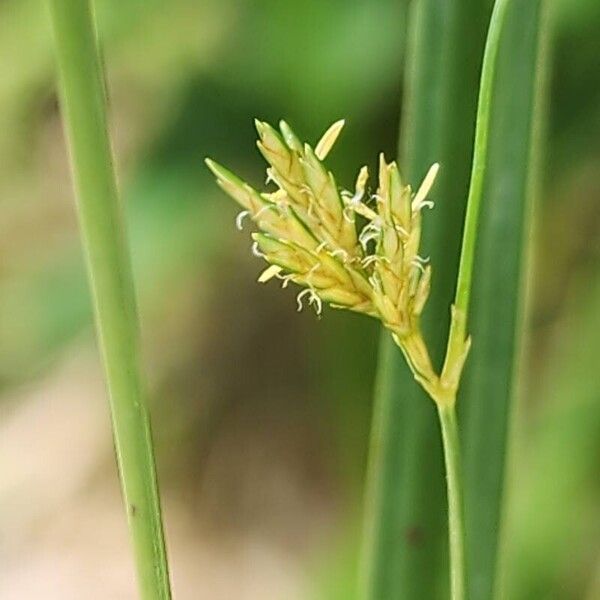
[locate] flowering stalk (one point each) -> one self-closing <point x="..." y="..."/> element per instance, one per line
<point x="360" y="251"/>
<point x="458" y="325"/>
<point x="102" y="232"/>
<point x="465" y="268"/>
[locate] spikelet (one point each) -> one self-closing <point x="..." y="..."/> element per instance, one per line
<point x="310" y="235"/>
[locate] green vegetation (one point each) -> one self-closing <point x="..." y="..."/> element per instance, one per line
<point x="260" y="415"/>
<point x="102" y="231"/>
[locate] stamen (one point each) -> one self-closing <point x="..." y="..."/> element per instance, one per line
<point x="270" y="272"/>
<point x="419" y="200"/>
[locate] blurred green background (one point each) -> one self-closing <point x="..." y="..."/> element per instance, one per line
<point x="260" y="414"/>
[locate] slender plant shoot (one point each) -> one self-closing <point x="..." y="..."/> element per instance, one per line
<point x="357" y="251"/>
<point x="108" y="263"/>
<point x="361" y="251"/>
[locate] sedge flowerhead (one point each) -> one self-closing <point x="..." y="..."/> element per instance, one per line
<point x="349" y="249"/>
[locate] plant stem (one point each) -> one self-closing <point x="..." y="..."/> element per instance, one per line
<point x="480" y="151"/>
<point x="109" y="270"/>
<point x="447" y="415"/>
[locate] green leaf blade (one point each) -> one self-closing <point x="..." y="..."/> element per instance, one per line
<point x="405" y="547"/>
<point x="485" y="404"/>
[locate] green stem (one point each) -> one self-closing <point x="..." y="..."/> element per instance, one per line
<point x="456" y="338"/>
<point x="456" y="527"/>
<point x="480" y="151"/>
<point x="109" y="269"/>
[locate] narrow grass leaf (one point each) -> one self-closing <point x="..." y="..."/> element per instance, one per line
<point x="498" y="292"/>
<point x="405" y="540"/>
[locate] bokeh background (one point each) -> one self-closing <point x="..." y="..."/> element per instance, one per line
<point x="260" y="414"/>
